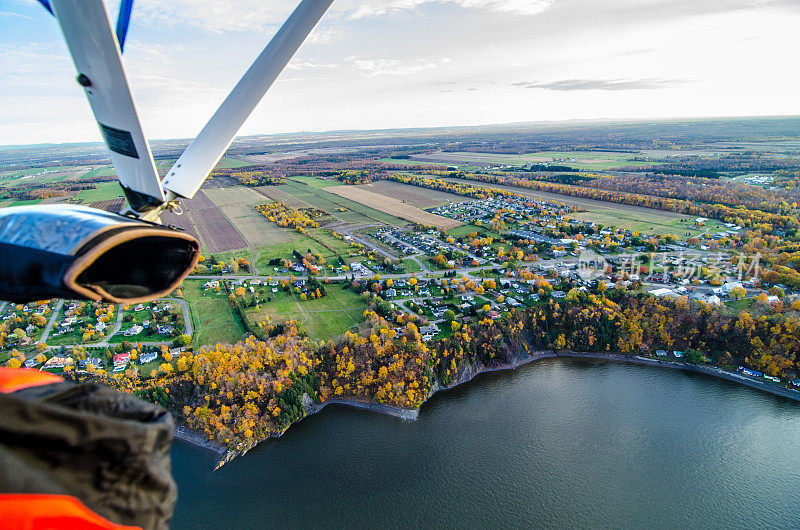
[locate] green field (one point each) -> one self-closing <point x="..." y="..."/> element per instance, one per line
<point x="213" y="318"/>
<point x="325" y="318"/>
<point x="28" y="202"/>
<point x="105" y="191"/>
<point x="102" y="171"/>
<point x="585" y="160"/>
<point x="300" y="243"/>
<point x="659" y="222"/>
<point x="316" y="183"/>
<point x="227" y="162"/>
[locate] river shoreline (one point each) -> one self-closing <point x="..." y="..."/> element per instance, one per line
<point x="186" y="435"/>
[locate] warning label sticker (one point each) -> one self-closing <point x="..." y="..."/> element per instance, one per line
<point x="119" y="141"/>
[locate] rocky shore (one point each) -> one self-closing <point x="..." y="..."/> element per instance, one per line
<point x="186" y="435"/>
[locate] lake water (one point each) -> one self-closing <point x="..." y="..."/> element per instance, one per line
<point x="560" y="443"/>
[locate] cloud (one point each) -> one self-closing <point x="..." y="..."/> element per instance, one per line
<point x="371" y="8"/>
<point x="256" y="15"/>
<point x="376" y="67"/>
<point x="310" y="64"/>
<point x="214" y="15"/>
<point x="567" y="85"/>
<point x="325" y="36"/>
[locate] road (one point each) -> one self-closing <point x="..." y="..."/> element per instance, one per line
<point x="51" y="322"/>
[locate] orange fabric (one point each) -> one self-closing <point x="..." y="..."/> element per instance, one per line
<point x="13" y="379"/>
<point x="46" y="512"/>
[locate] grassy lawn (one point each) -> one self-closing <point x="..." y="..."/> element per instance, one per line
<point x="316" y="183"/>
<point x="236" y="254"/>
<point x="325" y="318"/>
<point x="212" y="317"/>
<point x="105" y="191"/>
<point x="284" y="251"/>
<point x="411" y="266"/>
<point x="463" y="231"/>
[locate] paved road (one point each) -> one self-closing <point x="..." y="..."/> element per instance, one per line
<point x="51" y="323"/>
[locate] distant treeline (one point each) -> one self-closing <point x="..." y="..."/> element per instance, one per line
<point x="700" y="173"/>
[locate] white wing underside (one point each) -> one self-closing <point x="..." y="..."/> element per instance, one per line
<point x="96" y="54"/>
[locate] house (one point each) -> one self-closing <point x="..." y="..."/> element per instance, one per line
<point x="558" y="294"/>
<point x="431" y="329"/>
<point x="94" y="361"/>
<point x="513" y="302"/>
<point x="714" y="300"/>
<point x="134" y="330"/>
<point x="57" y="362"/>
<point x="30" y="363"/>
<point x="147" y="357"/>
<point x="663" y="292"/>
<point x="391" y="293"/>
<point x="121" y="358"/>
<point x="494" y="315"/>
<point x="730" y="286"/>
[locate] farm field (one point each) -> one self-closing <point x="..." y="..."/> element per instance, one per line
<point x="587" y="160"/>
<point x="325" y="318"/>
<point x="394" y="207"/>
<point x="408" y="162"/>
<point x="213" y="319"/>
<point x="238" y="204"/>
<point x="608" y="213"/>
<point x="412" y="195"/>
<point x="105" y="191"/>
<point x="111" y="205"/>
<point x="354" y="213"/>
<point x="279" y="195"/>
<point x="255" y="228"/>
<point x="216" y="233"/>
<point x="316" y="183"/>
<point x="236" y="195"/>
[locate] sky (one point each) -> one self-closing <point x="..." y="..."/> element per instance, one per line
<point x="375" y="64"/>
